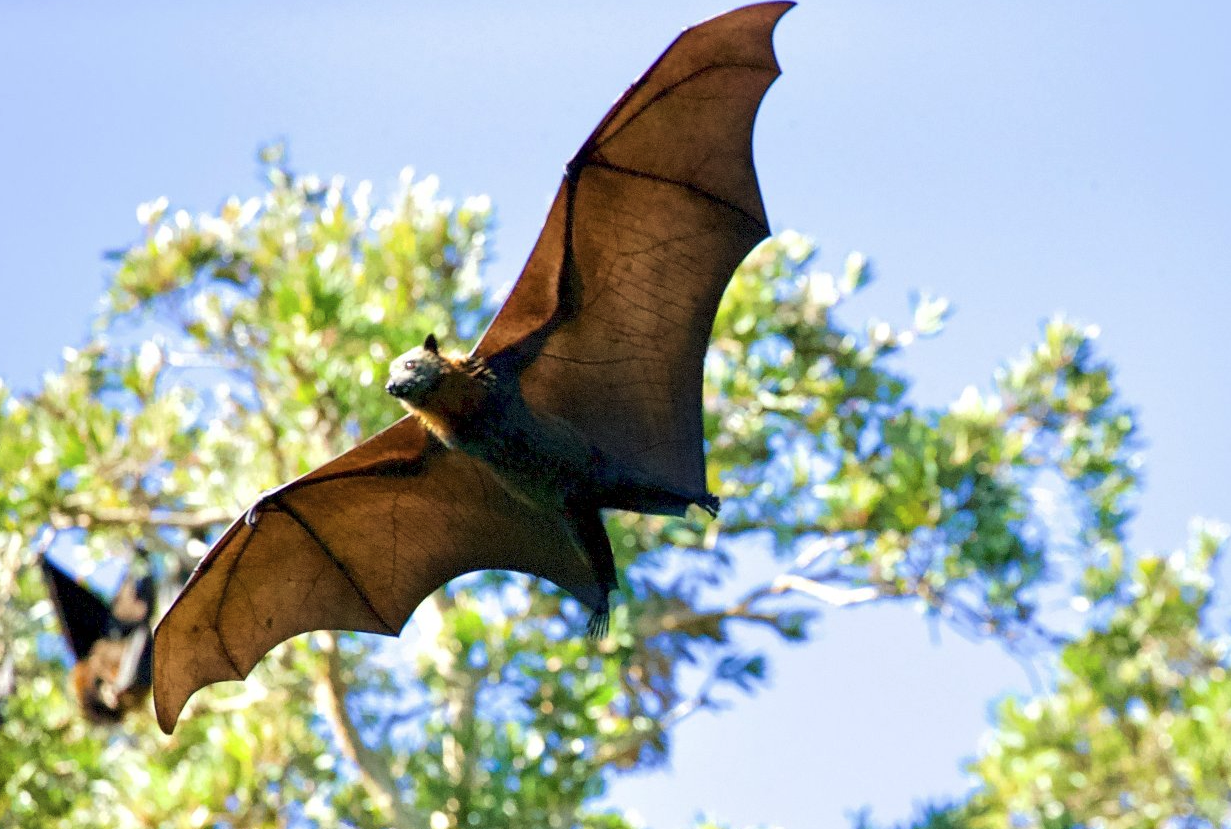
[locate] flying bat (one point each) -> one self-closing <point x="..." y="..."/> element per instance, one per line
<point x="111" y="641"/>
<point x="583" y="394"/>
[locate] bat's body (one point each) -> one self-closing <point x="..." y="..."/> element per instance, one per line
<point x="471" y="408"/>
<point x="541" y="460"/>
<point x="106" y="684"/>
<point x="583" y="394"/>
<point x="112" y="643"/>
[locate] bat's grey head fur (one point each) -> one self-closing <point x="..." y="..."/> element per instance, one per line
<point x="415" y="375"/>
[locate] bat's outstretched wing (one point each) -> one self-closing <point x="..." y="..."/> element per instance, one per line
<point x="611" y="317"/>
<point x="356" y="544"/>
<point x="83" y="616"/>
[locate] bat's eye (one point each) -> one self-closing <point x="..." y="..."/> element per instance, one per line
<point x="408" y="365"/>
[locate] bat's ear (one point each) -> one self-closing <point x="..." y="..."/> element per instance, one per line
<point x="429" y="344"/>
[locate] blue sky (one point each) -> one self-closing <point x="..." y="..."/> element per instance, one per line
<point x="1022" y="159"/>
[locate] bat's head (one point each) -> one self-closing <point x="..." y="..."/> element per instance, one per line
<point x="416" y="374"/>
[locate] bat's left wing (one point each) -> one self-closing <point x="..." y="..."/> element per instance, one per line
<point x="610" y="319"/>
<point x="84" y="617"/>
<point x="356" y="544"/>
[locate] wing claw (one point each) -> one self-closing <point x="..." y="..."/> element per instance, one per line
<point x="254" y="511"/>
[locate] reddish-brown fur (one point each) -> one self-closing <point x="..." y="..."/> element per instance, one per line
<point x="94" y="682"/>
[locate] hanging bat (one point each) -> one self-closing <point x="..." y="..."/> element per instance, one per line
<point x="111" y="642"/>
<point x="584" y="393"/>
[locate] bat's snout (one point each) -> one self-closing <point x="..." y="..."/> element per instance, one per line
<point x="402" y="388"/>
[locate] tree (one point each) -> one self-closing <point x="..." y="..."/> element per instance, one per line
<point x="242" y="348"/>
<point x="1137" y="732"/>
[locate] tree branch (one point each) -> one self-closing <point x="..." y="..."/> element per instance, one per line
<point x="827" y="593"/>
<point x="68" y="516"/>
<point x="373" y="770"/>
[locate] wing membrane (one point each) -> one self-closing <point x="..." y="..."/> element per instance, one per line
<point x="355" y="545"/>
<point x="611" y="317"/>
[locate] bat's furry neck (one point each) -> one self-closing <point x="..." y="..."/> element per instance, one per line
<point x="465" y="387"/>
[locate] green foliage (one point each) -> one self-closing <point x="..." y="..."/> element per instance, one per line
<point x="818" y="438"/>
<point x="241" y="348"/>
<point x="1138" y="730"/>
<point x="1136" y="733"/>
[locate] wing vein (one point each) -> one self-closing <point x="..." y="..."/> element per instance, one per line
<point x="618" y="109"/>
<point x="690" y="187"/>
<point x="342" y="568"/>
<point x="226" y="589"/>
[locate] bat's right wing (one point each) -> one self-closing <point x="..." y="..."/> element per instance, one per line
<point x="356" y="544"/>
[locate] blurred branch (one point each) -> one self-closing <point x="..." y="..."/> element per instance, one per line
<point x="9" y="563"/>
<point x="827" y="593"/>
<point x="687" y="707"/>
<point x="373" y="769"/>
<point x="398" y="718"/>
<point x="68" y="516"/>
<point x="745" y="609"/>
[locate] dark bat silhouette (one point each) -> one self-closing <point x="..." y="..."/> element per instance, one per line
<point x="583" y="394"/>
<point x="111" y="642"/>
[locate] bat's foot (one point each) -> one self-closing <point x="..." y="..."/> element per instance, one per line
<point x="596" y="628"/>
<point x="710" y="504"/>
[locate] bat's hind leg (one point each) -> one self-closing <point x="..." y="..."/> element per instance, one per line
<point x="586" y="523"/>
<point x="621" y="488"/>
<point x="709" y="503"/>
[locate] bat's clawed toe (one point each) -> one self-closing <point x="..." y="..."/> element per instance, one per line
<point x="709" y="503"/>
<point x="596" y="628"/>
